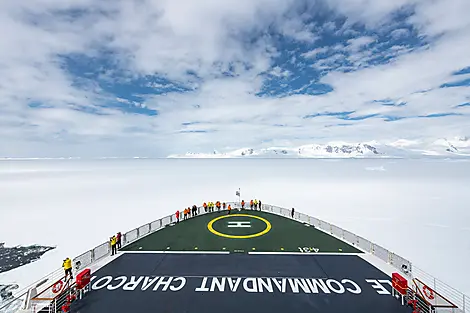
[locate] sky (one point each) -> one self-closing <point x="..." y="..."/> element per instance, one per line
<point x="94" y="78"/>
<point x="417" y="209"/>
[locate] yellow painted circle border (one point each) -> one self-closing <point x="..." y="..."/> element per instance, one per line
<point x="212" y="230"/>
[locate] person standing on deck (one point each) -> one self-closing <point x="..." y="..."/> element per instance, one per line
<point x="113" y="245"/>
<point x="256" y="204"/>
<point x="118" y="240"/>
<point x="223" y="206"/>
<point x="251" y="204"/>
<point x="205" y="206"/>
<point x="243" y="204"/>
<point x="177" y="215"/>
<point x="67" y="265"/>
<point x="194" y="210"/>
<point x="259" y="204"/>
<point x="229" y="208"/>
<point x="292" y="213"/>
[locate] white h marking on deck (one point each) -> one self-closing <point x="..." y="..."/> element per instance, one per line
<point x="238" y="224"/>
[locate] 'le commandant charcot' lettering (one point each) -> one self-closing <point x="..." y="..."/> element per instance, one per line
<point x="235" y="284"/>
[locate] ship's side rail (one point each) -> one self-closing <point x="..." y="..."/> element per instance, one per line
<point x="19" y="299"/>
<point x="403" y="265"/>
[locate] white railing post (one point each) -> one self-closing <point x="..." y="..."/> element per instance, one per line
<point x="463" y="307"/>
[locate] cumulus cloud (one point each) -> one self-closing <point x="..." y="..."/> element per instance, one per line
<point x="98" y="78"/>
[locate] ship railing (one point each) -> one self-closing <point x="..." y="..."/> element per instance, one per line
<point x="461" y="300"/>
<point x="403" y="265"/>
<point x="21" y="297"/>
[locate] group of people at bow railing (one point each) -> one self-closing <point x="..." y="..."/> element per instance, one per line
<point x="114" y="242"/>
<point x="211" y="206"/>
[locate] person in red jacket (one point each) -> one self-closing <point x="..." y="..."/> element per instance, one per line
<point x="177" y="215"/>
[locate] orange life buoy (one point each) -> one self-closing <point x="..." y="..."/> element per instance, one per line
<point x="428" y="292"/>
<point x="57" y="286"/>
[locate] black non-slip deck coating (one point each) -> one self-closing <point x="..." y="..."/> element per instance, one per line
<point x="194" y="267"/>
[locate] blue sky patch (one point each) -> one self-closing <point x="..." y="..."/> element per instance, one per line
<point x="337" y="114"/>
<point x="463" y="71"/>
<point x="464" y="82"/>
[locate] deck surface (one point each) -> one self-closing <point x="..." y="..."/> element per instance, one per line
<point x="172" y="270"/>
<point x="241" y="231"/>
<point x="194" y="283"/>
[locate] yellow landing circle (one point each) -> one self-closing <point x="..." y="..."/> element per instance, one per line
<point x="212" y="230"/>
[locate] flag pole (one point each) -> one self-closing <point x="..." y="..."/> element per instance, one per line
<point x="239" y="195"/>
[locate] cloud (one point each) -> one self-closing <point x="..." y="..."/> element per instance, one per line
<point x="359" y="43"/>
<point x="96" y="78"/>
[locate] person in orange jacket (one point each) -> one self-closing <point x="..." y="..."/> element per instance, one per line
<point x="243" y="204"/>
<point x="229" y="208"/>
<point x="251" y="204"/>
<point x="205" y="207"/>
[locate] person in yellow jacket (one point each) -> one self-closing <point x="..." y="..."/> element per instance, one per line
<point x="67" y="265"/>
<point x="113" y="245"/>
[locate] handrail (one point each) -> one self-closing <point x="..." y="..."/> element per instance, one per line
<point x="401" y="264"/>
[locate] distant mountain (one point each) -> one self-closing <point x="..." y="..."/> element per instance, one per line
<point x="457" y="147"/>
